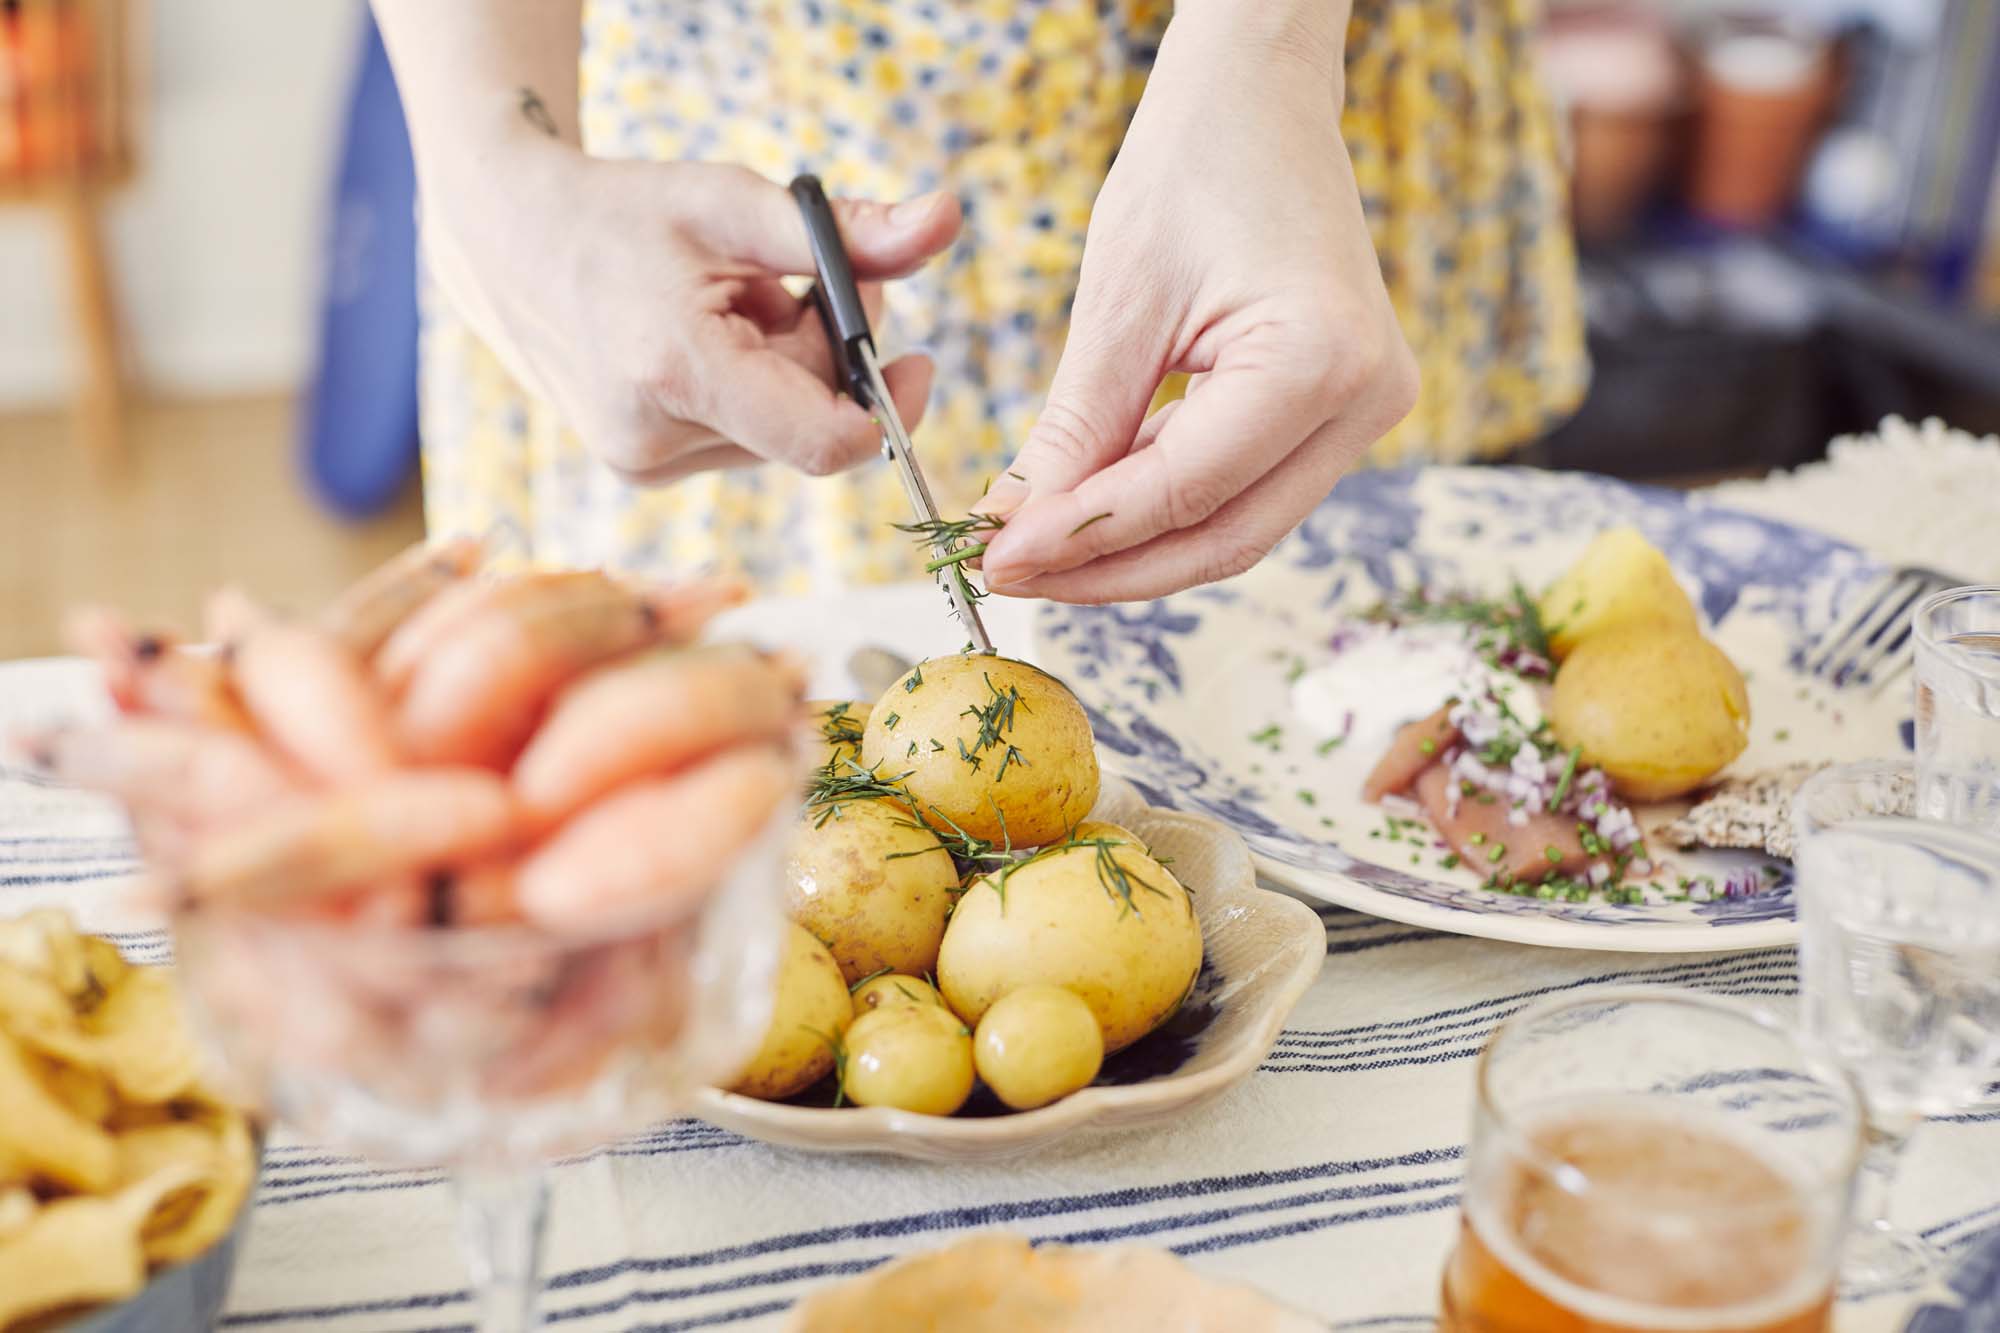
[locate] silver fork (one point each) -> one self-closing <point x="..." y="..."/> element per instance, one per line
<point x="1870" y="645"/>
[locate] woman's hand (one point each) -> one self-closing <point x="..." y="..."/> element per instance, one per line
<point x="1229" y="242"/>
<point x="642" y="300"/>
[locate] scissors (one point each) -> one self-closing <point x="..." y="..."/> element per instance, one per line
<point x="838" y="300"/>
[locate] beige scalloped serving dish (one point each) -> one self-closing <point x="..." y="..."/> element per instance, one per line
<point x="1261" y="950"/>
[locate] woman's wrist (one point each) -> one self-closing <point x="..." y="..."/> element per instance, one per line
<point x="1312" y="32"/>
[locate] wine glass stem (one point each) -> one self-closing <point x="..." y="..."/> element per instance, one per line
<point x="501" y="1216"/>
<point x="1877" y="1179"/>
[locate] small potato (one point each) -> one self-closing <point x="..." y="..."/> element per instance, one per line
<point x="990" y="745"/>
<point x="1620" y="579"/>
<point x="874" y="883"/>
<point x="909" y="1056"/>
<point x="811" y="1012"/>
<point x="1097" y="916"/>
<point x="1660" y="710"/>
<point x="894" y="988"/>
<point x="834" y="729"/>
<point x="1037" y="1044"/>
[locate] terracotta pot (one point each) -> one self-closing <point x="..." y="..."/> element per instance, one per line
<point x="1762" y="94"/>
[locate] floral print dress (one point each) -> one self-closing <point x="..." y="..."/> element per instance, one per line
<point x="1018" y="107"/>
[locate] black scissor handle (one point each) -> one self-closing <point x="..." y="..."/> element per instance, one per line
<point x="835" y="294"/>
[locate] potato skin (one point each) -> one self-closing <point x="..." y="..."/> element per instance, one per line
<point x="894" y="988"/>
<point x="812" y="1008"/>
<point x="872" y="882"/>
<point x="1620" y="579"/>
<point x="1659" y="709"/>
<point x="1053" y="922"/>
<point x="1033" y="797"/>
<point x="1036" y="1045"/>
<point x="915" y="1057"/>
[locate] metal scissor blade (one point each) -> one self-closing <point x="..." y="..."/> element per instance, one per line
<point x="896" y="445"/>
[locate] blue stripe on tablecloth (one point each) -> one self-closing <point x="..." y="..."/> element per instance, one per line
<point x="944" y="1220"/>
<point x="1673" y="971"/>
<point x="1300" y="1040"/>
<point x="1952" y="1224"/>
<point x="71" y="877"/>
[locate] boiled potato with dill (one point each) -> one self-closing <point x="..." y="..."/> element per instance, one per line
<point x="894" y="988"/>
<point x="1095" y="914"/>
<point x="1620" y="579"/>
<point x="914" y="1057"/>
<point x="834" y="730"/>
<point x="1659" y="709"/>
<point x="811" y="1010"/>
<point x="990" y="747"/>
<point x="872" y="881"/>
<point x="1037" y="1044"/>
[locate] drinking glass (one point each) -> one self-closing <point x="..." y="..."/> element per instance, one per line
<point x="1957" y="635"/>
<point x="1899" y="966"/>
<point x="487" y="1050"/>
<point x="1648" y="1160"/>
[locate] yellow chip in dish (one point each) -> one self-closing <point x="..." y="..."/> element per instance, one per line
<point x="43" y="943"/>
<point x="43" y="1137"/>
<point x="140" y="1039"/>
<point x="82" y="1249"/>
<point x="220" y="1146"/>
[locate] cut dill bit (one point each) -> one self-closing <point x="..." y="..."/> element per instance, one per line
<point x="1094" y="518"/>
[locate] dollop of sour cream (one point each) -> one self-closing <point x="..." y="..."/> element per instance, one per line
<point x="1382" y="676"/>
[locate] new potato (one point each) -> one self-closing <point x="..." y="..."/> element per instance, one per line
<point x="914" y="1057"/>
<point x="1620" y="579"/>
<point x="991" y="745"/>
<point x="874" y="883"/>
<point x="894" y="988"/>
<point x="810" y="1012"/>
<point x="1064" y="919"/>
<point x="1037" y="1044"/>
<point x="1659" y="709"/>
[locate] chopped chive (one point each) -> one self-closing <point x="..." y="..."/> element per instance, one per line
<point x="1476" y="839"/>
<point x="1554" y="854"/>
<point x="1568" y="775"/>
<point x="1329" y="745"/>
<point x="1427" y="745"/>
<point x="1496" y="853"/>
<point x="1307" y="797"/>
<point x="1449" y="861"/>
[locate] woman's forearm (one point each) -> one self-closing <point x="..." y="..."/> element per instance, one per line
<point x="483" y="79"/>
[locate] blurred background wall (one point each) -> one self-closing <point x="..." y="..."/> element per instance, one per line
<point x="214" y="243"/>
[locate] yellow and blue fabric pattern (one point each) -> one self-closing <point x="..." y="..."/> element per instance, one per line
<point x="1018" y="107"/>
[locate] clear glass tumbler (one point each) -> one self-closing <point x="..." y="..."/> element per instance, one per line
<point x="1645" y="1160"/>
<point x="1957" y="636"/>
<point x="487" y="1050"/>
<point x="1899" y="962"/>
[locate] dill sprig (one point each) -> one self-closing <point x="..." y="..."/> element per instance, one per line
<point x="1513" y="621"/>
<point x="954" y="539"/>
<point x="838" y="726"/>
<point x="1118" y="880"/>
<point x="995" y="718"/>
<point x="840" y="781"/>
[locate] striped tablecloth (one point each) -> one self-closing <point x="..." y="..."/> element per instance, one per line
<point x="1329" y="1179"/>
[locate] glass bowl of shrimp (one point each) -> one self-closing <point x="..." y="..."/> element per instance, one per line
<point x="468" y="870"/>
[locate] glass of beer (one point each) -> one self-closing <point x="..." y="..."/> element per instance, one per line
<point x="1644" y="1161"/>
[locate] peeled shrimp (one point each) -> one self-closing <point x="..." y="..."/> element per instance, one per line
<point x="315" y="701"/>
<point x="398" y="823"/>
<point x="649" y="716"/>
<point x="186" y="773"/>
<point x="366" y="614"/>
<point x="475" y="697"/>
<point x="151" y="673"/>
<point x="655" y="845"/>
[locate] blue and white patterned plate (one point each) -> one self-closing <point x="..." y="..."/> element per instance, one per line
<point x="1178" y="688"/>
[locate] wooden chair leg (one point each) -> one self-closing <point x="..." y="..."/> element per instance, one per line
<point x="99" y="400"/>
